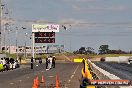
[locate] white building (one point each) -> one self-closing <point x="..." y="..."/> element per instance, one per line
<point x="37" y="49"/>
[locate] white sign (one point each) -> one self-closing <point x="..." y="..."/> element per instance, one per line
<point x="45" y="28"/>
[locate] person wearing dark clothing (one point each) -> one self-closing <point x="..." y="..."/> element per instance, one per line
<point x="53" y="62"/>
<point x="32" y="63"/>
<point x="40" y="60"/>
<point x="20" y="60"/>
<point x="83" y="61"/>
<point x="12" y="62"/>
<point x="47" y="63"/>
<point x="7" y="64"/>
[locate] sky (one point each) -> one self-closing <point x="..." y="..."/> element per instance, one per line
<point x="90" y="23"/>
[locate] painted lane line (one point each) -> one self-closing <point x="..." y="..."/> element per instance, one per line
<point x="50" y="76"/>
<point x="74" y="72"/>
<point x="69" y="81"/>
<point x="11" y="83"/>
<point x="72" y="76"/>
<point x="20" y="80"/>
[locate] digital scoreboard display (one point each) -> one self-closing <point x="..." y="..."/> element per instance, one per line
<point x="44" y="34"/>
<point x="44" y="40"/>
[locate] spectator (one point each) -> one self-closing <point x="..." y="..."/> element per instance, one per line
<point x="7" y="64"/>
<point x="40" y="60"/>
<point x="50" y="62"/>
<point x="3" y="63"/>
<point x="20" y="59"/>
<point x="11" y="62"/>
<point x="53" y="62"/>
<point x="47" y="63"/>
<point x="32" y="63"/>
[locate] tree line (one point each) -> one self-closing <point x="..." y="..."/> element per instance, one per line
<point x="103" y="49"/>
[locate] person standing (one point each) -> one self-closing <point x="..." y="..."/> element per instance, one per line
<point x="47" y="63"/>
<point x="32" y="63"/>
<point x="53" y="62"/>
<point x="40" y="60"/>
<point x="50" y="62"/>
<point x="20" y="59"/>
<point x="11" y="63"/>
<point x="2" y="62"/>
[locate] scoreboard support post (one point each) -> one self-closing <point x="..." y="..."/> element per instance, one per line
<point x="33" y="44"/>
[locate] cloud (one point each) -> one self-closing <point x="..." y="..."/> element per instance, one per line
<point x="80" y="23"/>
<point x="85" y="0"/>
<point x="7" y="21"/>
<point x="71" y="21"/>
<point x="101" y="8"/>
<point x="80" y="0"/>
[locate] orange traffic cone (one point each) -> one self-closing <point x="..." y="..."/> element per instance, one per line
<point x="42" y="81"/>
<point x="57" y="82"/>
<point x="34" y="84"/>
<point x="36" y="77"/>
<point x="37" y="81"/>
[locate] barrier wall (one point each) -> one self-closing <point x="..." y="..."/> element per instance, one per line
<point x="120" y="59"/>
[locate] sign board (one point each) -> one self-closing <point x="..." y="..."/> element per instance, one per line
<point x="45" y="28"/>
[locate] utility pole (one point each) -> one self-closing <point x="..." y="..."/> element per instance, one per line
<point x="6" y="28"/>
<point x="0" y="25"/>
<point x="16" y="43"/>
<point x="9" y="41"/>
<point x="25" y="53"/>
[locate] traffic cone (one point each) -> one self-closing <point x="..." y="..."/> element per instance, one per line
<point x="34" y="84"/>
<point x="37" y="81"/>
<point x="42" y="81"/>
<point x="57" y="82"/>
<point x="36" y="77"/>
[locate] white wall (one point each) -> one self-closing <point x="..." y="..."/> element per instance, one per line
<point x="120" y="59"/>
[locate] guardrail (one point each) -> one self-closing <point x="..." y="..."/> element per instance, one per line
<point x="87" y="75"/>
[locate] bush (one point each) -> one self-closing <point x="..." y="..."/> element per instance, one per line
<point x="102" y="59"/>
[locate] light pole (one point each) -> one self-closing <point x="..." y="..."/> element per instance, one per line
<point x="31" y="45"/>
<point x="17" y="40"/>
<point x="6" y="28"/>
<point x="9" y="40"/>
<point x="0" y="24"/>
<point x="1" y="9"/>
<point x="65" y="28"/>
<point x="16" y="43"/>
<point x="25" y="45"/>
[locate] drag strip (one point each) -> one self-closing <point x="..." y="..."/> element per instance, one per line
<point x="122" y="70"/>
<point x="23" y="78"/>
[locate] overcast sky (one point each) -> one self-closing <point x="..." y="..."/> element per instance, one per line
<point x="90" y="23"/>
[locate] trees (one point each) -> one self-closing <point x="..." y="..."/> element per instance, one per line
<point x="103" y="49"/>
<point x="90" y="50"/>
<point x="82" y="50"/>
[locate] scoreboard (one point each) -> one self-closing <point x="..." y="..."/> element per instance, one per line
<point x="44" y="34"/>
<point x="44" y="37"/>
<point x="44" y="40"/>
